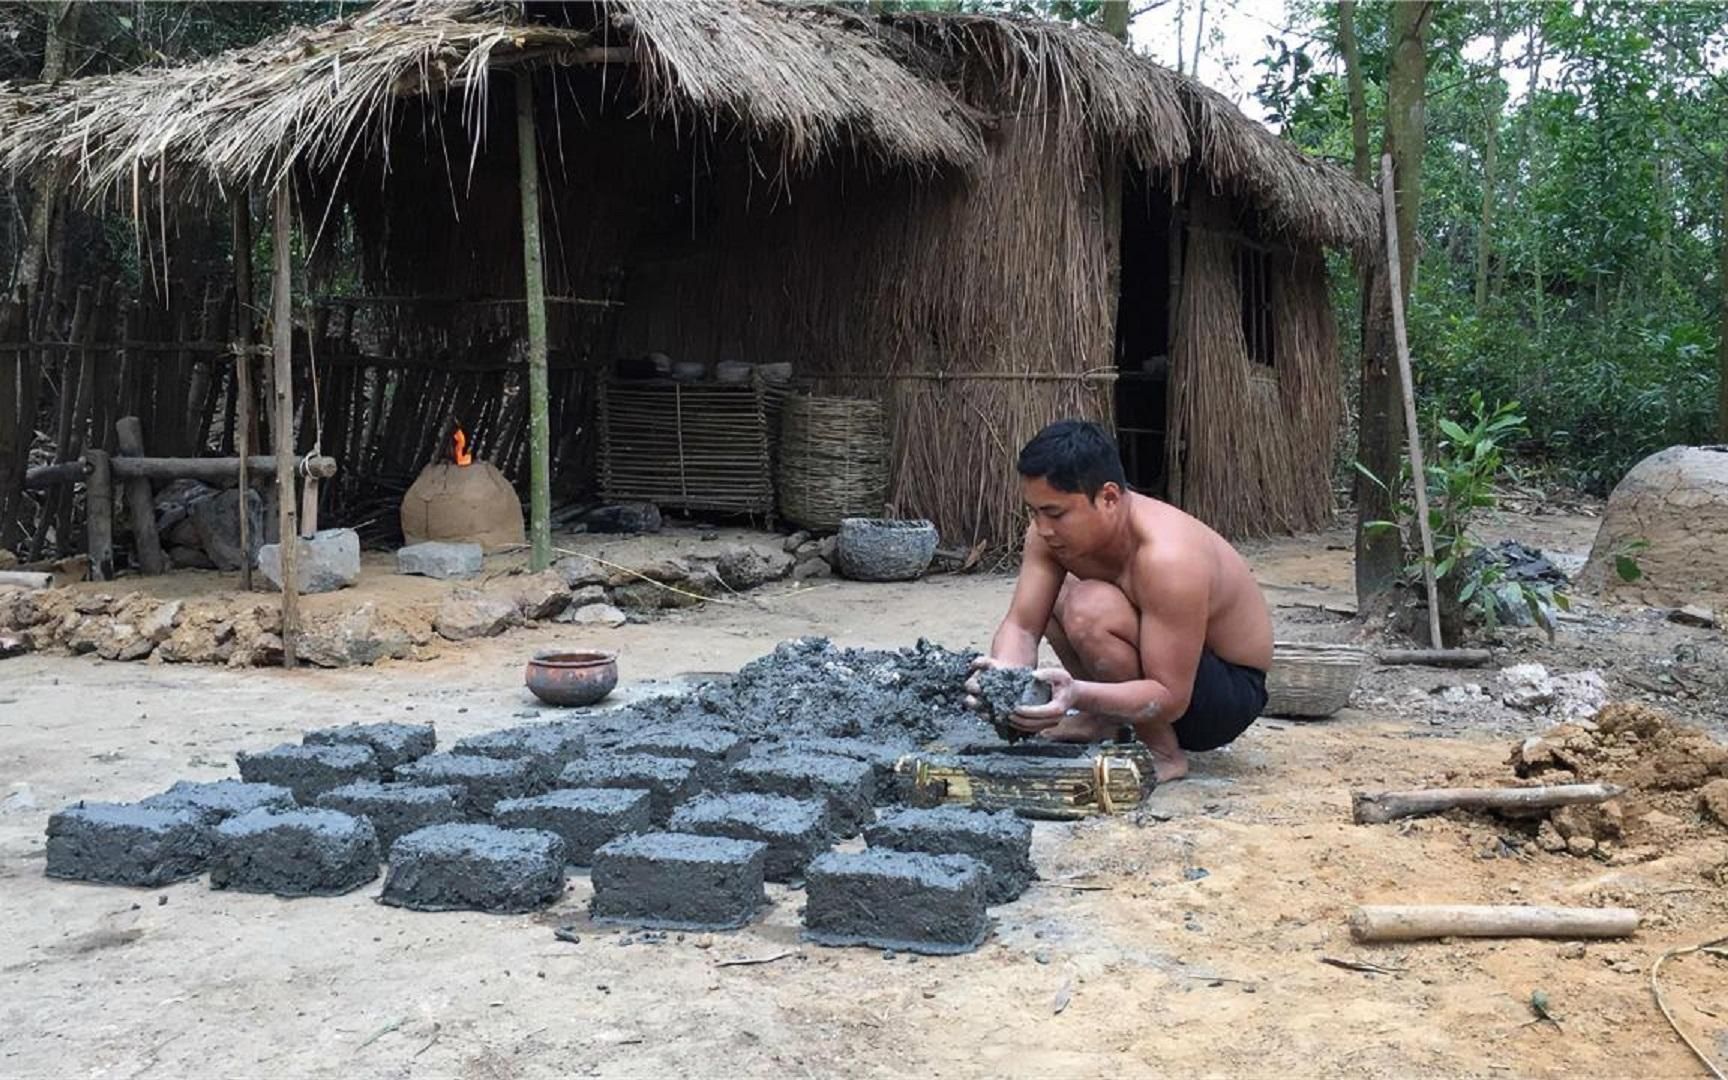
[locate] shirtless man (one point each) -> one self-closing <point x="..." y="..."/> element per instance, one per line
<point x="1156" y="618"/>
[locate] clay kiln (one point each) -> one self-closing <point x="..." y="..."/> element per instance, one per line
<point x="464" y="500"/>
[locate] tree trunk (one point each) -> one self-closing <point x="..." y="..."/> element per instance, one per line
<point x="62" y="31"/>
<point x="1490" y="160"/>
<point x="1722" y="328"/>
<point x="1114" y="16"/>
<point x="1199" y="39"/>
<point x="1358" y="99"/>
<point x="1379" y="553"/>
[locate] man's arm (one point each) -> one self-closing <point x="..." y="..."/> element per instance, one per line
<point x="1035" y="592"/>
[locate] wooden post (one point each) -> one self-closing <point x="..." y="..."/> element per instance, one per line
<point x="539" y="428"/>
<point x="243" y="359"/>
<point x="99" y="515"/>
<point x="1390" y="922"/>
<point x="282" y="429"/>
<point x="1419" y="474"/>
<point x="139" y="500"/>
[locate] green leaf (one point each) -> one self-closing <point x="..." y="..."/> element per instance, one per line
<point x="1628" y="569"/>
<point x="1364" y="470"/>
<point x="1454" y="432"/>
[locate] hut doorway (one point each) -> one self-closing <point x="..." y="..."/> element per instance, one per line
<point x="1143" y="320"/>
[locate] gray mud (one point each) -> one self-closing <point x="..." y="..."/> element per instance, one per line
<point x="914" y="902"/>
<point x="675" y="881"/>
<point x="218" y="800"/>
<point x="795" y="830"/>
<point x="309" y="771"/>
<point x="485" y="780"/>
<point x="394" y="744"/>
<point x="846" y="784"/>
<point x="122" y="844"/>
<point x="585" y="818"/>
<point x="397" y="809"/>
<point x="669" y="781"/>
<point x="294" y="853"/>
<point x="551" y="746"/>
<point x="1000" y="841"/>
<point x="1003" y="690"/>
<point x="475" y="868"/>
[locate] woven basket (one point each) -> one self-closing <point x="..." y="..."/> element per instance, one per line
<point x="1312" y="679"/>
<point x="833" y="460"/>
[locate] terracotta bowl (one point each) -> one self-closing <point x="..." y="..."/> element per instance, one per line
<point x="572" y="676"/>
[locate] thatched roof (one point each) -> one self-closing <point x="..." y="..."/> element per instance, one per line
<point x="910" y="90"/>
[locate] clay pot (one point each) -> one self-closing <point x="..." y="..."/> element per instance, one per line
<point x="572" y="677"/>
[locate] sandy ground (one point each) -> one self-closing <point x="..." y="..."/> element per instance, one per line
<point x="1186" y="941"/>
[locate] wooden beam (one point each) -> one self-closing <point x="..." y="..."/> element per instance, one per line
<point x="534" y="292"/>
<point x="1378" y="807"/>
<point x="1436" y="657"/>
<point x="282" y="429"/>
<point x="1421" y="921"/>
<point x="210" y="470"/>
<point x="243" y="360"/>
<point x="140" y="501"/>
<point x="99" y="515"/>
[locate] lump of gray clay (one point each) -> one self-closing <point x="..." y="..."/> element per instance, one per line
<point x="896" y="900"/>
<point x="484" y="779"/>
<point x="668" y="781"/>
<point x="713" y="749"/>
<point x="795" y="830"/>
<point x="848" y="785"/>
<point x="397" y="809"/>
<point x="1001" y="841"/>
<point x="122" y="844"/>
<point x="440" y="559"/>
<point x="550" y="746"/>
<point x="218" y="800"/>
<point x="880" y="755"/>
<point x="294" y="853"/>
<point x="586" y="818"/>
<point x="675" y="881"/>
<point x="1003" y="690"/>
<point x="475" y="868"/>
<point x="309" y="771"/>
<point x="394" y="744"/>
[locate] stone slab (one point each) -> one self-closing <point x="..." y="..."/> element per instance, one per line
<point x="216" y="801"/>
<point x="475" y="868"/>
<point x="586" y="818"/>
<point x="124" y="844"/>
<point x="441" y="559"/>
<point x="397" y="809"/>
<point x="294" y="853"/>
<point x="669" y="781"/>
<point x="795" y="830"/>
<point x="394" y="744"/>
<point x="1001" y="841"/>
<point x="325" y="563"/>
<point x="309" y="771"/>
<point x="676" y="881"/>
<point x="484" y="779"/>
<point x="909" y="901"/>
<point x="847" y="784"/>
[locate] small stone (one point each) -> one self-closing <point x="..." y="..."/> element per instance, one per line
<point x="1713" y="800"/>
<point x="539" y="596"/>
<point x="582" y="597"/>
<point x="742" y="567"/>
<point x="1580" y="845"/>
<point x="1572" y="951"/>
<point x="325" y="563"/>
<point x="160" y="623"/>
<point x="579" y="571"/>
<point x="440" y="559"/>
<point x="463" y="618"/>
<point x="1693" y="615"/>
<point x="1527" y="686"/>
<point x="1548" y="838"/>
<point x="793" y="542"/>
<point x="598" y="615"/>
<point x="812" y="569"/>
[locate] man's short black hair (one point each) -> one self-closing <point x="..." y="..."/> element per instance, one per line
<point x="1073" y="456"/>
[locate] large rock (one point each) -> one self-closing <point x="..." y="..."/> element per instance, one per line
<point x="537" y="596"/>
<point x="743" y="567"/>
<point x="217" y="523"/>
<point x="580" y="571"/>
<point x="325" y="563"/>
<point x="1672" y="508"/>
<point x="461" y="618"/>
<point x="441" y="559"/>
<point x="358" y="637"/>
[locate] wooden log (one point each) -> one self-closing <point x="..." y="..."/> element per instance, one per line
<point x="1377" y="807"/>
<point x="99" y="515"/>
<point x="25" y="579"/>
<point x="1417" y="922"/>
<point x="243" y="360"/>
<point x="217" y="470"/>
<point x="1436" y="657"/>
<point x="533" y="270"/>
<point x="309" y="507"/>
<point x="282" y="431"/>
<point x="140" y="501"/>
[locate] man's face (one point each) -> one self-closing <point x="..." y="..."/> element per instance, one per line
<point x="1067" y="521"/>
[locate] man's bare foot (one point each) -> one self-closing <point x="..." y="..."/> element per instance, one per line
<point x="1168" y="761"/>
<point x="1082" y="728"/>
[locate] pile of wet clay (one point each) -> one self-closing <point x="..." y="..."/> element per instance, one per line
<point x="1003" y="690"/>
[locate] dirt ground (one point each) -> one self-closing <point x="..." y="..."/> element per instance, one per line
<point x="1188" y="940"/>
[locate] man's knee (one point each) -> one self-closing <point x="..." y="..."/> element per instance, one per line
<point x="1095" y="613"/>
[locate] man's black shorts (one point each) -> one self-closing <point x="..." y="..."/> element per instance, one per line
<point x="1227" y="698"/>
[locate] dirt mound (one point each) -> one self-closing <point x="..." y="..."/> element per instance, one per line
<point x="1670" y="773"/>
<point x="1670" y="513"/>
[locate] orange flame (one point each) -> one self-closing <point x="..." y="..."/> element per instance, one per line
<point x="459" y="445"/>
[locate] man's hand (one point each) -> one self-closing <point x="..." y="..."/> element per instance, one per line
<point x="1063" y="693"/>
<point x="982" y="664"/>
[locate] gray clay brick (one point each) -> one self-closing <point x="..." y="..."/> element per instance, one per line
<point x="475" y="868"/>
<point x="586" y="818"/>
<point x="396" y="809"/>
<point x="294" y="853"/>
<point x="669" y="781"/>
<point x="550" y="746"/>
<point x="1001" y="841"/>
<point x="845" y="783"/>
<point x="309" y="771"/>
<point x="880" y="756"/>
<point x="218" y="800"/>
<point x="485" y="779"/>
<point x="394" y="744"/>
<point x="713" y="749"/>
<point x="676" y="881"/>
<point x="795" y="830"/>
<point x="896" y="900"/>
<point x="122" y="844"/>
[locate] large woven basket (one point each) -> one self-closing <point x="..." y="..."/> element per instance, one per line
<point x="833" y="460"/>
<point x="1312" y="679"/>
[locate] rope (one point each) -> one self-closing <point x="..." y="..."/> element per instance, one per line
<point x="1714" y="948"/>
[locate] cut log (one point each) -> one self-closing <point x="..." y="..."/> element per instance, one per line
<point x="1398" y="922"/>
<point x="24" y="579"/>
<point x="140" y="500"/>
<point x="1376" y="807"/>
<point x="1436" y="657"/>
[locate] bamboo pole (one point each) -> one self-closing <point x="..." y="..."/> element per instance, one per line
<point x="1458" y="658"/>
<point x="139" y="501"/>
<point x="1394" y="276"/>
<point x="282" y="430"/>
<point x="1376" y="807"/>
<point x="539" y="463"/>
<point x="1417" y="922"/>
<point x="244" y="398"/>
